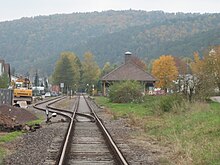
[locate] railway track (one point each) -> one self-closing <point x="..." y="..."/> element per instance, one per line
<point x="86" y="141"/>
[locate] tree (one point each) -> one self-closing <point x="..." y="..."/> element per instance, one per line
<point x="197" y="64"/>
<point x="203" y="81"/>
<point x="212" y="64"/>
<point x="165" y="70"/>
<point x="90" y="70"/>
<point x="206" y="70"/>
<point x="46" y="84"/>
<point x="4" y="80"/>
<point x="36" y="80"/>
<point x="182" y="65"/>
<point x="184" y="77"/>
<point x="106" y="69"/>
<point x="67" y="71"/>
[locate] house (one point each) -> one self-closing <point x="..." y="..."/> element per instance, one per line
<point x="6" y="96"/>
<point x="130" y="70"/>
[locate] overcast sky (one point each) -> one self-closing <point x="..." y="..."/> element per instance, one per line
<point x="16" y="9"/>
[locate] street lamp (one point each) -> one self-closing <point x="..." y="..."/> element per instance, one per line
<point x="87" y="87"/>
<point x="93" y="89"/>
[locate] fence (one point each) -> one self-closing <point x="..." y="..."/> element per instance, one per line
<point x="6" y="96"/>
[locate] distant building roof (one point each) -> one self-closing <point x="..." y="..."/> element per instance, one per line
<point x="128" y="71"/>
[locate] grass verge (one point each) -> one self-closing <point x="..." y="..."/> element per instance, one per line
<point x="38" y="121"/>
<point x="10" y="136"/>
<point x="193" y="130"/>
<point x="125" y="109"/>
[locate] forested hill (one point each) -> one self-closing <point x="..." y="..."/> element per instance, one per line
<point x="36" y="43"/>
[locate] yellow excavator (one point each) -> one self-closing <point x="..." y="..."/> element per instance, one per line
<point x="22" y="90"/>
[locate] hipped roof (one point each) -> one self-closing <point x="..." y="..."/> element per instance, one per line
<point x="128" y="71"/>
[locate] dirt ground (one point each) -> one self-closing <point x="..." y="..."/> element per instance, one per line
<point x="11" y="116"/>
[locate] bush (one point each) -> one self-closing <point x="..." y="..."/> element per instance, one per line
<point x="126" y="92"/>
<point x="170" y="102"/>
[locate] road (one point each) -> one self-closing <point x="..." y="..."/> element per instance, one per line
<point x="216" y="98"/>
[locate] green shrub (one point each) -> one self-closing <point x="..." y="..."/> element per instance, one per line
<point x="126" y="92"/>
<point x="170" y="102"/>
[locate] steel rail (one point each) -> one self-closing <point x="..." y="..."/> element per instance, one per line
<point x="45" y="101"/>
<point x="53" y="101"/>
<point x="61" y="160"/>
<point x="62" y="156"/>
<point x="64" y="149"/>
<point x="64" y="145"/>
<point x="117" y="153"/>
<point x="58" y="110"/>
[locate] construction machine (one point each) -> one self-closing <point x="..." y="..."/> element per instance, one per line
<point x="22" y="90"/>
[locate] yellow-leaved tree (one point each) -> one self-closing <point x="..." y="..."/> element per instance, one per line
<point x="197" y="65"/>
<point x="90" y="70"/>
<point x="205" y="71"/>
<point x="212" y="65"/>
<point x="165" y="70"/>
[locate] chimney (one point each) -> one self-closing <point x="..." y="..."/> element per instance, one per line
<point x="127" y="57"/>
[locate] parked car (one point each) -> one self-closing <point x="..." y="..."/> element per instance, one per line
<point x="54" y="94"/>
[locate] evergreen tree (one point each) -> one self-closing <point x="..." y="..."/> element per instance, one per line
<point x="45" y="84"/>
<point x="36" y="80"/>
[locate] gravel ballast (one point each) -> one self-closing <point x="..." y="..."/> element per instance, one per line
<point x="32" y="147"/>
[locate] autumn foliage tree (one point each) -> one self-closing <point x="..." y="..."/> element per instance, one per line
<point x="106" y="68"/>
<point x="200" y="73"/>
<point x="205" y="71"/>
<point x="212" y="65"/>
<point x="197" y="65"/>
<point x="165" y="70"/>
<point x="90" y="70"/>
<point x="182" y="65"/>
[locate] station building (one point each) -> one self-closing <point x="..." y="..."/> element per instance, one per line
<point x="129" y="70"/>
